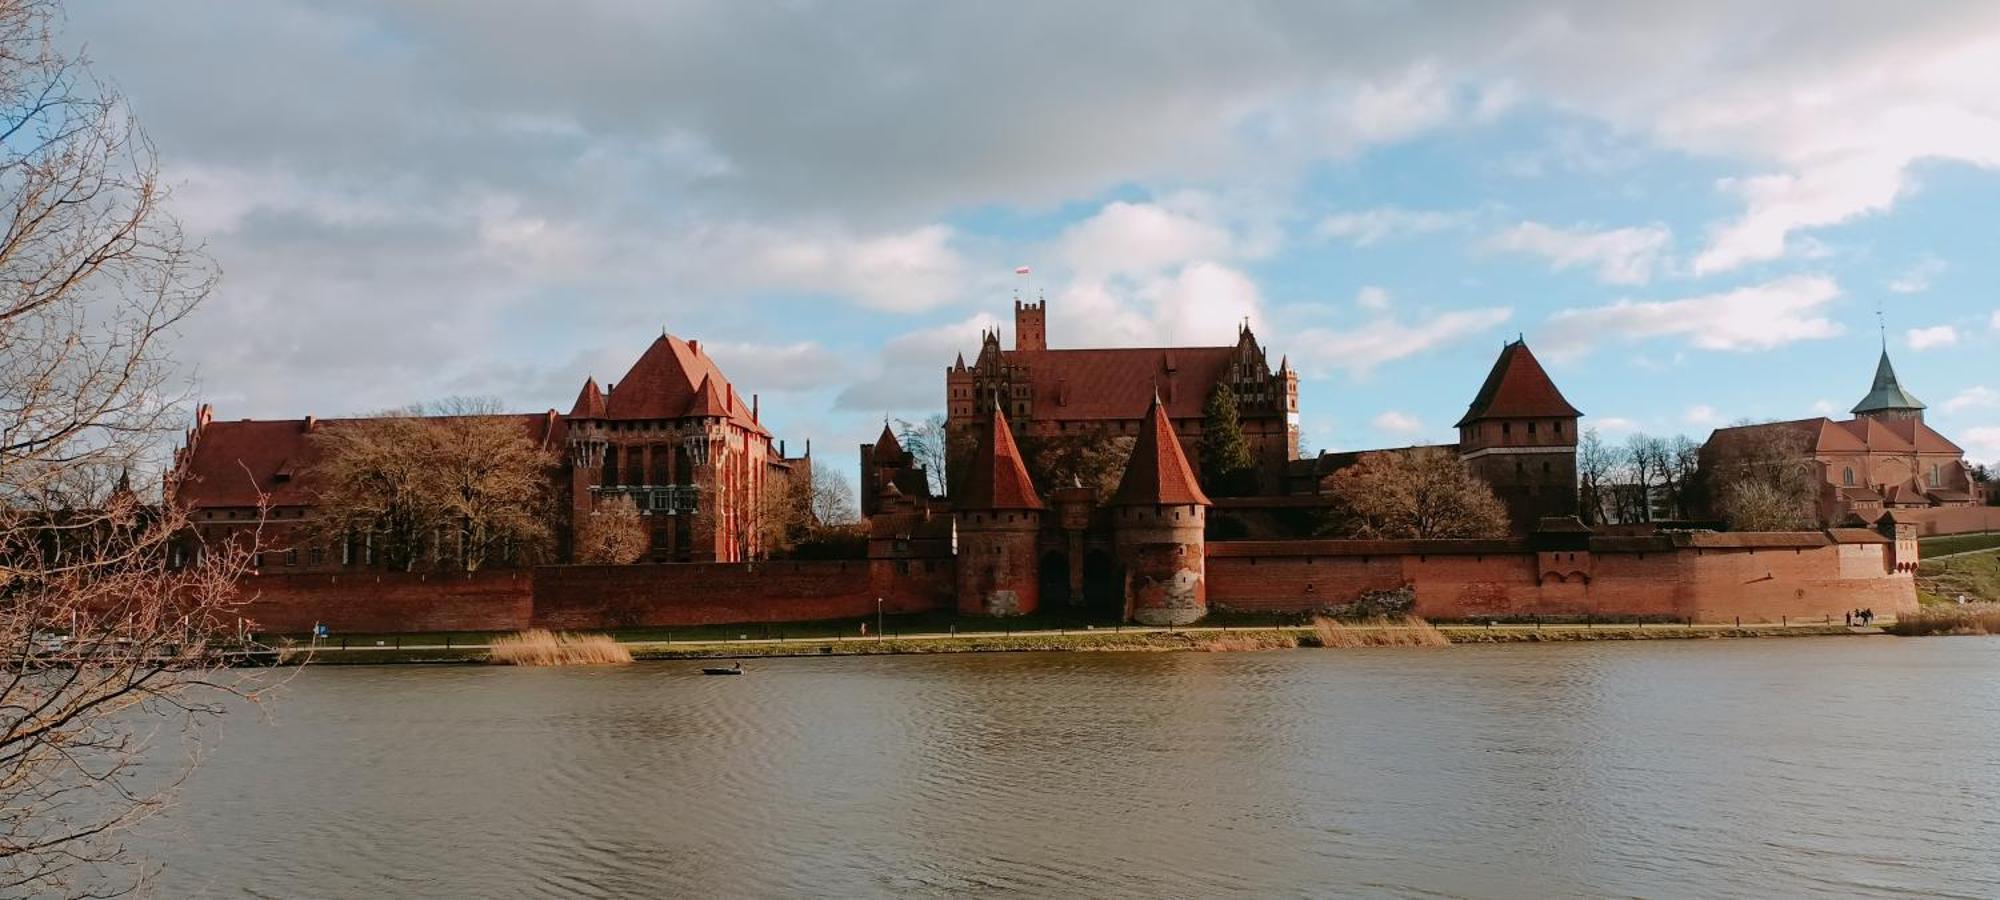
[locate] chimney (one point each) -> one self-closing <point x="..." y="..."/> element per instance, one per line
<point x="203" y="415"/>
<point x="753" y="407"/>
<point x="312" y="422"/>
<point x="694" y="347"/>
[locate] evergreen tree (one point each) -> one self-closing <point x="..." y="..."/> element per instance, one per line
<point x="1226" y="467"/>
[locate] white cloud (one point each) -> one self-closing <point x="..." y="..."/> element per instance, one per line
<point x="1140" y="238"/>
<point x="908" y="371"/>
<point x="799" y="366"/>
<point x="1975" y="397"/>
<point x="1612" y="423"/>
<point x="1620" y="255"/>
<point x="1395" y="422"/>
<point x="1202" y="304"/>
<point x="1982" y="444"/>
<point x="1360" y="350"/>
<point x="1994" y="322"/>
<point x="1917" y="278"/>
<point x="1371" y="297"/>
<point x="1934" y="336"/>
<point x="1757" y="317"/>
<point x="1701" y="414"/>
<point x="1824" y="407"/>
<point x="1372" y="226"/>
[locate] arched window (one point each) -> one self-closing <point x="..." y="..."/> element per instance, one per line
<point x="1847" y="476"/>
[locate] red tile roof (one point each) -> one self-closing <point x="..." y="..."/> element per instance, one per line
<point x="232" y="463"/>
<point x="1858" y="435"/>
<point x="668" y="381"/>
<point x="1517" y="388"/>
<point x="589" y="401"/>
<point x="999" y="479"/>
<point x="888" y="451"/>
<point x="1118" y="383"/>
<point x="1158" y="474"/>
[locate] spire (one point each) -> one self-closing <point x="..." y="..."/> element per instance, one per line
<point x="1157" y="474"/>
<point x="999" y="480"/>
<point x="1887" y="394"/>
<point x="888" y="451"/>
<point x="589" y="402"/>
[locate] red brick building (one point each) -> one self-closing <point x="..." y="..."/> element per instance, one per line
<point x="1053" y="392"/>
<point x="673" y="435"/>
<point x="1883" y="459"/>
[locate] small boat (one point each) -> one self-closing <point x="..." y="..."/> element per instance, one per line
<point x="718" y="670"/>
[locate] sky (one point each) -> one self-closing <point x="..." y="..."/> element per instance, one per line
<point x="1693" y="212"/>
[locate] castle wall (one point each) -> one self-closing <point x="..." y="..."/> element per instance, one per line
<point x="998" y="573"/>
<point x="1807" y="579"/>
<point x="388" y="602"/>
<point x="1166" y="569"/>
<point x="1951" y="520"/>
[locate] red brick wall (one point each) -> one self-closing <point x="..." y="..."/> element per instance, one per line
<point x="1706" y="584"/>
<point x="1951" y="519"/>
<point x="597" y="597"/>
<point x="384" y="602"/>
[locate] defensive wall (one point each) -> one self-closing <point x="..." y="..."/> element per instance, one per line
<point x="1706" y="577"/>
<point x="1950" y="519"/>
<point x="1764" y="577"/>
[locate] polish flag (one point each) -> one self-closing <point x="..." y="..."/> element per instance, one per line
<point x="1020" y="270"/>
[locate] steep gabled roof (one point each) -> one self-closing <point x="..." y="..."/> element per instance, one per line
<point x="1886" y="393"/>
<point x="1517" y="388"/>
<point x="1117" y="383"/>
<point x="998" y="479"/>
<point x="589" y="401"/>
<point x="1157" y="474"/>
<point x="668" y="381"/>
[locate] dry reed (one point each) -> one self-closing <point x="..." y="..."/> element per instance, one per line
<point x="1408" y="631"/>
<point x="1255" y="640"/>
<point x="541" y="647"/>
<point x="1983" y="619"/>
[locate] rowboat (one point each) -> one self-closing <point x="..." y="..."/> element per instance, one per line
<point x="718" y="670"/>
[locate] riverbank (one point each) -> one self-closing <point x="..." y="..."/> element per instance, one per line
<point x="1099" y="640"/>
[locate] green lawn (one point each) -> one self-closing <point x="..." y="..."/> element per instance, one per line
<point x="1976" y="576"/>
<point x="1958" y="543"/>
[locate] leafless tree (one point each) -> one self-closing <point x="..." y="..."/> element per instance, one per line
<point x="927" y="441"/>
<point x="830" y="499"/>
<point x="1596" y="463"/>
<point x="1763" y="479"/>
<point x="435" y="490"/>
<point x="1094" y="459"/>
<point x="110" y="637"/>
<point x="612" y="534"/>
<point x="1424" y="492"/>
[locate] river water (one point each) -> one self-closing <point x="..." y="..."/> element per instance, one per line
<point x="1865" y="767"/>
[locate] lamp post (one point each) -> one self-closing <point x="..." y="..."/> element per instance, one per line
<point x="878" y="618"/>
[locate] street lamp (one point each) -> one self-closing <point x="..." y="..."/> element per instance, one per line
<point x="878" y="618"/>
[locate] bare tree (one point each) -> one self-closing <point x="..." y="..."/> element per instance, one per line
<point x="451" y="490"/>
<point x="1763" y="478"/>
<point x="612" y="534"/>
<point x="928" y="442"/>
<point x="1094" y="459"/>
<point x="829" y="497"/>
<point x="1596" y="463"/>
<point x="1645" y="465"/>
<point x="1424" y="492"/>
<point x="109" y="636"/>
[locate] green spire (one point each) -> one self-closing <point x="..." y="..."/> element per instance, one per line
<point x="1887" y="393"/>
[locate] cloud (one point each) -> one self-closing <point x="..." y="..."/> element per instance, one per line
<point x="1976" y="397"/>
<point x="1620" y="255"/>
<point x="1398" y="423"/>
<point x="1141" y="238"/>
<point x="1994" y="322"/>
<point x="1368" y="227"/>
<point x="785" y="368"/>
<point x="1360" y="350"/>
<point x="1917" y="278"/>
<point x="1982" y="444"/>
<point x="1756" y="317"/>
<point x="1613" y="423"/>
<point x="1934" y="336"/>
<point x="1701" y="415"/>
<point x="1371" y="297"/>
<point x="1824" y="407"/>
<point x="908" y="371"/>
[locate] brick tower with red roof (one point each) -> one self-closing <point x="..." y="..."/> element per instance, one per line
<point x="1519" y="434"/>
<point x="999" y="517"/>
<point x="1158" y="514"/>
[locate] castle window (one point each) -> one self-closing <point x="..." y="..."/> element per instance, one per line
<point x="1506" y="429"/>
<point x="1545" y="468"/>
<point x="1531" y="428"/>
<point x="1559" y="429"/>
<point x="291" y="556"/>
<point x="1937" y="475"/>
<point x="1847" y="476"/>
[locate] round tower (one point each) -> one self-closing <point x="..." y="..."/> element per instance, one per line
<point x="1156" y="529"/>
<point x="999" y="516"/>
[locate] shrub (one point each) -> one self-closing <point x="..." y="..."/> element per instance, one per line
<point x="1407" y="631"/>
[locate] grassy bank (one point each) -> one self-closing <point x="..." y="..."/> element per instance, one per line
<point x="1958" y="543"/>
<point x="1976" y="576"/>
<point x="1983" y="618"/>
<point x="1106" y="640"/>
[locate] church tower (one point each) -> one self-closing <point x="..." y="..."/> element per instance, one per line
<point x="1156" y="525"/>
<point x="1519" y="435"/>
<point x="1886" y="398"/>
<point x="999" y="516"/>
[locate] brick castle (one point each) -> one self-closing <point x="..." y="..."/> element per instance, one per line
<point x="675" y="435"/>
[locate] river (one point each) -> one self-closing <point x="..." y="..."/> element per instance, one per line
<point x="1861" y="767"/>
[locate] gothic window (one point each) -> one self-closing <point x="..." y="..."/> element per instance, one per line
<point x="1506" y="429"/>
<point x="1937" y="475"/>
<point x="1847" y="476"/>
<point x="611" y="467"/>
<point x="1531" y="428"/>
